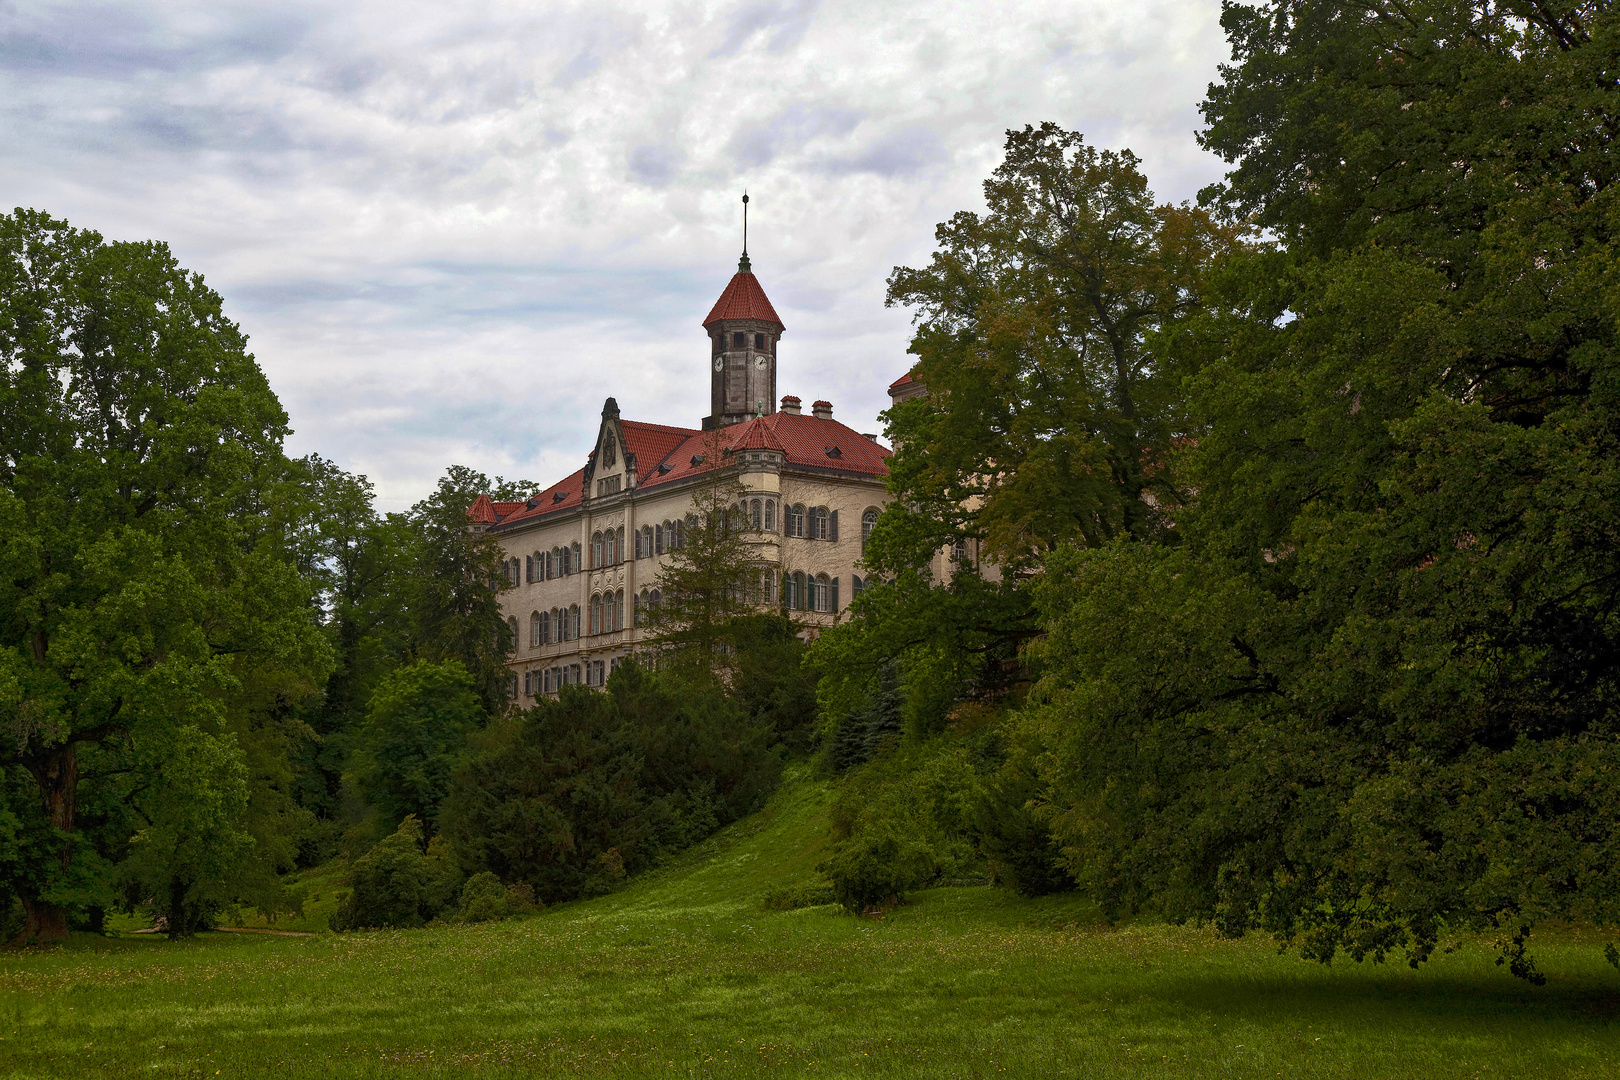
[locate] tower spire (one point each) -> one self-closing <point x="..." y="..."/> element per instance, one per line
<point x="743" y="266"/>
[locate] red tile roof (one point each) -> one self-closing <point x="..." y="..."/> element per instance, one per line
<point x="902" y="380"/>
<point x="743" y="299"/>
<point x="807" y="441"/>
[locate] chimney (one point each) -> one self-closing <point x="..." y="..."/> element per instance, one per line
<point x="822" y="410"/>
<point x="790" y="404"/>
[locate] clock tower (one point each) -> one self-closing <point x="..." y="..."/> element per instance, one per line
<point x="743" y="333"/>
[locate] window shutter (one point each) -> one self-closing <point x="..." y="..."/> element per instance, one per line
<point x="833" y="519"/>
<point x="834" y="607"/>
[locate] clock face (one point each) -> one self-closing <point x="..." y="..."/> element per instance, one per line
<point x="759" y="361"/>
<point x="719" y="362"/>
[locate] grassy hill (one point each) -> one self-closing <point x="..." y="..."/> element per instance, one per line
<point x="685" y="973"/>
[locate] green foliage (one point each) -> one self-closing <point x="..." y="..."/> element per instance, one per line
<point x="1050" y="410"/>
<point x="1035" y="326"/>
<point x="715" y="576"/>
<point x="572" y="795"/>
<point x="146" y="585"/>
<point x="769" y="678"/>
<point x="1014" y="834"/>
<point x="904" y="822"/>
<point x="1373" y="700"/>
<point x="931" y="992"/>
<point x="396" y="884"/>
<point x="863" y="734"/>
<point x="483" y="899"/>
<point x="188" y="862"/>
<point x="414" y="735"/>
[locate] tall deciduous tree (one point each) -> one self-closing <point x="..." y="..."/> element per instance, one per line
<point x="140" y="588"/>
<point x="1375" y="694"/>
<point x="1052" y="402"/>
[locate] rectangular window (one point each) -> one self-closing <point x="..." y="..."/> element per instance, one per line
<point x="737" y="340"/>
<point x="759" y="342"/>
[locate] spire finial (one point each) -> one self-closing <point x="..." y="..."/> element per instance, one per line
<point x="743" y="266"/>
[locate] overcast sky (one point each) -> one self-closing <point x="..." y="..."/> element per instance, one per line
<point x="452" y="229"/>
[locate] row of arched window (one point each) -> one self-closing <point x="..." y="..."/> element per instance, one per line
<point x="543" y="565"/>
<point x="607" y="612"/>
<point x="549" y="680"/>
<point x="657" y="539"/>
<point x="809" y="592"/>
<point x="608" y="547"/>
<point x="550" y="627"/>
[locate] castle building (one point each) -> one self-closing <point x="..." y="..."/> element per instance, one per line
<point x="583" y="556"/>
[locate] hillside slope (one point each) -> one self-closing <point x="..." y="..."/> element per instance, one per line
<point x="682" y="973"/>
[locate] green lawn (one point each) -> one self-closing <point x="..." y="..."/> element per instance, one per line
<point x="684" y="974"/>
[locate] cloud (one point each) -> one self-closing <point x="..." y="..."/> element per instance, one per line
<point x="452" y="230"/>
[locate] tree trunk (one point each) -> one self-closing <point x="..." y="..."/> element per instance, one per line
<point x="57" y="772"/>
<point x="46" y="923"/>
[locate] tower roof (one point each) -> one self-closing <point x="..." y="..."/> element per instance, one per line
<point x="743" y="299"/>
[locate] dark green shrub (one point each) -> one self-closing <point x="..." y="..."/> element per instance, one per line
<point x="1022" y="853"/>
<point x="803" y="895"/>
<point x="879" y="867"/>
<point x="573" y="795"/>
<point x="396" y="884"/>
<point x="483" y="899"/>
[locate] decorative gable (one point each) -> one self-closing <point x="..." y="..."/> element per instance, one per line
<point x="612" y="466"/>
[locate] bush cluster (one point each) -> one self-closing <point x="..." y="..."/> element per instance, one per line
<point x="571" y="796"/>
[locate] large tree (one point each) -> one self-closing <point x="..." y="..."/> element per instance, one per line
<point x="1374" y="695"/>
<point x="1052" y="402"/>
<point x="713" y="574"/>
<point x="143" y="586"/>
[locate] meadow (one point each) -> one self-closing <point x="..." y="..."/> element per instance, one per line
<point x="684" y="973"/>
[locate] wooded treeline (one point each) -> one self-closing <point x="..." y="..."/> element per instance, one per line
<point x="1305" y="502"/>
<point x="1290" y="534"/>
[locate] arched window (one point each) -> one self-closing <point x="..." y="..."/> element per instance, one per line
<point x="618" y="610"/>
<point x="770" y="515"/>
<point x="824" y="593"/>
<point x="534" y="630"/>
<point x="868" y="520"/>
<point x="655" y="599"/>
<point x="769" y="587"/>
<point x="793" y="520"/>
<point x="545" y="628"/>
<point x="756" y="515"/>
<point x="596" y="613"/>
<point x="620" y="551"/>
<point x="528" y="568"/>
<point x="818" y="529"/>
<point x="512" y="625"/>
<point x="596" y="550"/>
<point x="573" y="619"/>
<point x="855" y="586"/>
<point x="610" y="451"/>
<point x="574" y="566"/>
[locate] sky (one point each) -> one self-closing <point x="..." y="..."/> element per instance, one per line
<point x="452" y="230"/>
